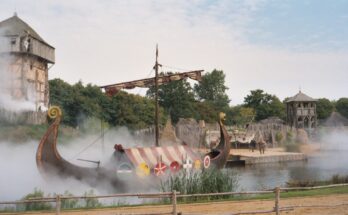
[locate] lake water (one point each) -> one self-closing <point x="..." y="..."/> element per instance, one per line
<point x="321" y="166"/>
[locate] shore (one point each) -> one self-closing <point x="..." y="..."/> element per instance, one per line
<point x="329" y="204"/>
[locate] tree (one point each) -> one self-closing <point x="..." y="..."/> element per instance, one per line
<point x="240" y="115"/>
<point x="324" y="108"/>
<point x="176" y="98"/>
<point x="342" y="106"/>
<point x="79" y="103"/>
<point x="212" y="89"/>
<point x="132" y="111"/>
<point x="264" y="104"/>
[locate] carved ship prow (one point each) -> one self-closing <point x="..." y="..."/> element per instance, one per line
<point x="49" y="161"/>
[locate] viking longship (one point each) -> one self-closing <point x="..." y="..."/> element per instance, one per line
<point x="139" y="161"/>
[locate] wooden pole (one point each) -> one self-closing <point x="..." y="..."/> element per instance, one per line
<point x="102" y="136"/>
<point x="58" y="205"/>
<point x="174" y="202"/>
<point x="277" y="198"/>
<point x="156" y="99"/>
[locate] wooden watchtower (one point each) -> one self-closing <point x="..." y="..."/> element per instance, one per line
<point x="26" y="58"/>
<point x="301" y="111"/>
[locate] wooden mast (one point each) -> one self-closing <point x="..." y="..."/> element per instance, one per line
<point x="149" y="82"/>
<point x="156" y="100"/>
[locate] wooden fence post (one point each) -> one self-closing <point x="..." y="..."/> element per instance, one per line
<point x="58" y="205"/>
<point x="277" y="198"/>
<point x="174" y="202"/>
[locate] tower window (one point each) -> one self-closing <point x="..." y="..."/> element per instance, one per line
<point x="13" y="41"/>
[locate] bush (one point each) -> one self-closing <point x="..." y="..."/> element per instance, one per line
<point x="91" y="202"/>
<point x="35" y="205"/>
<point x="206" y="181"/>
<point x="69" y="203"/>
<point x="279" y="137"/>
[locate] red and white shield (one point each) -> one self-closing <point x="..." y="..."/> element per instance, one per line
<point x="175" y="167"/>
<point x="206" y="161"/>
<point x="160" y="169"/>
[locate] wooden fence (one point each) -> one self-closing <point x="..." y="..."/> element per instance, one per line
<point x="175" y="195"/>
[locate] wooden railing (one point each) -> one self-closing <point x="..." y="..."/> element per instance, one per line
<point x="174" y="195"/>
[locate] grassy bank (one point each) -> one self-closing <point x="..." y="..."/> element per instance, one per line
<point x="25" y="133"/>
<point x="85" y="205"/>
<point x="335" y="179"/>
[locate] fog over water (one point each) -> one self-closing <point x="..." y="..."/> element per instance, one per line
<point x="19" y="173"/>
<point x="322" y="165"/>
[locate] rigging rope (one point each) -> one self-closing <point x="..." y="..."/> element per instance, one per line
<point x="148" y="75"/>
<point x="174" y="68"/>
<point x="91" y="144"/>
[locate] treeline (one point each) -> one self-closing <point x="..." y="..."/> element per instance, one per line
<point x="177" y="99"/>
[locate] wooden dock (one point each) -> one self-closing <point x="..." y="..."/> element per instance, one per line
<point x="272" y="155"/>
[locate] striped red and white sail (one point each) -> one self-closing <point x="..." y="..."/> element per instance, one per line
<point x="152" y="155"/>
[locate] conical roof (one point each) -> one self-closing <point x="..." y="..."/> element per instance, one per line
<point x="14" y="26"/>
<point x="301" y="97"/>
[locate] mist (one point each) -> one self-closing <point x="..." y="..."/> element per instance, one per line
<point x="8" y="79"/>
<point x="20" y="175"/>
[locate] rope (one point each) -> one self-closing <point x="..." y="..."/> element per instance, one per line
<point x="148" y="75"/>
<point x="88" y="146"/>
<point x="175" y="68"/>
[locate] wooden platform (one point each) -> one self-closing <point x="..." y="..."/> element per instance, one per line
<point x="245" y="156"/>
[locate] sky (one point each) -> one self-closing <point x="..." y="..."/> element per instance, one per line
<point x="279" y="46"/>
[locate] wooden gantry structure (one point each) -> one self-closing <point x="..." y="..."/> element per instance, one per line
<point x="301" y="111"/>
<point x="27" y="58"/>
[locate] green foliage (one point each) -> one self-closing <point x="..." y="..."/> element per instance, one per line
<point x="77" y="102"/>
<point x="91" y="202"/>
<point x="324" y="108"/>
<point x="240" y="115"/>
<point x="212" y="89"/>
<point x="342" y="106"/>
<point x="335" y="179"/>
<point x="69" y="203"/>
<point x="176" y="98"/>
<point x="37" y="193"/>
<point x="290" y="144"/>
<point x="206" y="111"/>
<point x="81" y="103"/>
<point x="132" y="110"/>
<point x="279" y="136"/>
<point x="21" y="133"/>
<point x="206" y="181"/>
<point x="264" y="104"/>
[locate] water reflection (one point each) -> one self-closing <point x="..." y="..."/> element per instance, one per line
<point x="319" y="167"/>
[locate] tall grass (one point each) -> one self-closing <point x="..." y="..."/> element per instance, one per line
<point x="206" y="181"/>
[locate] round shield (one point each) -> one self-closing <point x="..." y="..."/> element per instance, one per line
<point x="124" y="168"/>
<point x="197" y="164"/>
<point x="160" y="169"/>
<point x="174" y="167"/>
<point x="143" y="170"/>
<point x="206" y="161"/>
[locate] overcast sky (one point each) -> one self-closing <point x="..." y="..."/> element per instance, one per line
<point x="277" y="46"/>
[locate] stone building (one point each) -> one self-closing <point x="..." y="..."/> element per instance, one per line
<point x="27" y="58"/>
<point x="301" y="111"/>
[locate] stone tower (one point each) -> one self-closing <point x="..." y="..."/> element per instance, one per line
<point x="301" y="111"/>
<point x="25" y="60"/>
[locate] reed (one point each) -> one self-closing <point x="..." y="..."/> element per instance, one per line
<point x="205" y="181"/>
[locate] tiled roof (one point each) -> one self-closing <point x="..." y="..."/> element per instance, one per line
<point x="14" y="26"/>
<point x="301" y="97"/>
